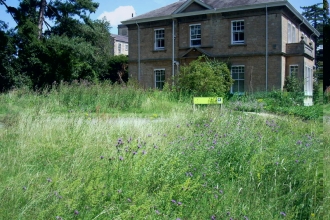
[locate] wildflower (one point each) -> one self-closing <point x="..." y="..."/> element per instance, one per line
<point x="143" y="152"/>
<point x="59" y="218"/>
<point x="173" y="201"/>
<point x="134" y="153"/>
<point x="49" y="180"/>
<point x="179" y="203"/>
<point x="297" y="161"/>
<point x="157" y="212"/>
<point x="213" y="217"/>
<point x="121" y="158"/>
<point x="215" y="196"/>
<point x="228" y="213"/>
<point x="299" y="142"/>
<point x="246" y="218"/>
<point x="276" y="163"/>
<point x="76" y="212"/>
<point x="101" y="157"/>
<point x="129" y="200"/>
<point x="178" y="218"/>
<point x="283" y="214"/>
<point x="221" y="191"/>
<point x="24" y="188"/>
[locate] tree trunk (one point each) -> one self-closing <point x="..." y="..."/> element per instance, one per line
<point x="41" y="17"/>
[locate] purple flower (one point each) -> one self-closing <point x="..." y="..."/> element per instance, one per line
<point x="157" y="212"/>
<point x="101" y="157"/>
<point x="246" y="218"/>
<point x="178" y="218"/>
<point x="276" y="163"/>
<point x="221" y="191"/>
<point x="24" y="188"/>
<point x="179" y="203"/>
<point x="134" y="153"/>
<point x="299" y="142"/>
<point x="76" y="212"/>
<point x="173" y="201"/>
<point x="213" y="217"/>
<point x="49" y="180"/>
<point x="283" y="214"/>
<point x="121" y="158"/>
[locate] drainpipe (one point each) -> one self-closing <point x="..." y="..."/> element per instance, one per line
<point x="266" y="48"/>
<point x="173" y="47"/>
<point x="139" y="52"/>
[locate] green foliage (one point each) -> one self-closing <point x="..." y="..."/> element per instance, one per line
<point x="205" y="77"/>
<point x="75" y="47"/>
<point x="117" y="69"/>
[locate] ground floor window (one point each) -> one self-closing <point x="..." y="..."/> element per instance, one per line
<point x="294" y="70"/>
<point x="237" y="73"/>
<point x="308" y="81"/>
<point x="159" y="78"/>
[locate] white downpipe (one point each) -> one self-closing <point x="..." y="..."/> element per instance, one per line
<point x="139" y="53"/>
<point x="266" y="48"/>
<point x="173" y="47"/>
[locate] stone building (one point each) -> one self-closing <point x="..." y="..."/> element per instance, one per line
<point x="263" y="40"/>
<point x="120" y="44"/>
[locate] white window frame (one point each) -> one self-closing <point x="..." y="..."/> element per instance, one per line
<point x="239" y="79"/>
<point x="159" y="83"/>
<point x="195" y="37"/>
<point x="308" y="81"/>
<point x="159" y="38"/>
<point x="291" y="33"/>
<point x="294" y="67"/>
<point x="126" y="47"/>
<point x="119" y="48"/>
<point x="234" y="32"/>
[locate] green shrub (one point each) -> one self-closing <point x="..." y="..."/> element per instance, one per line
<point x="205" y="77"/>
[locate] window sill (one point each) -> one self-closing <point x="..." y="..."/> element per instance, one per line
<point x="159" y="50"/>
<point x="237" y="45"/>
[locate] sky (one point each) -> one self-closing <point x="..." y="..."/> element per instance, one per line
<point x="120" y="10"/>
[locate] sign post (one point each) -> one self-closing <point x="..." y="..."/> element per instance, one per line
<point x="208" y="101"/>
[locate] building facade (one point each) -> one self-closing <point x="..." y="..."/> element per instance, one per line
<point x="263" y="40"/>
<point x="120" y="44"/>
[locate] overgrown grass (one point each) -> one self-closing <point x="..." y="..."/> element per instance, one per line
<point x="62" y="158"/>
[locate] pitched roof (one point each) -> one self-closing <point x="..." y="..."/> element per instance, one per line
<point x="120" y="38"/>
<point x="176" y="9"/>
<point x="213" y="4"/>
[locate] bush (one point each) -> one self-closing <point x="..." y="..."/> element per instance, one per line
<point x="205" y="77"/>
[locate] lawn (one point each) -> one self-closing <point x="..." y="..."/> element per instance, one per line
<point x="119" y="154"/>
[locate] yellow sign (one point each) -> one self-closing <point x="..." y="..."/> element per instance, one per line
<point x="208" y="100"/>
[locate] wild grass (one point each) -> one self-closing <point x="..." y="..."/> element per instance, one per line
<point x="71" y="161"/>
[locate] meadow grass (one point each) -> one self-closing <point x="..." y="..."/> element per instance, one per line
<point x="62" y="157"/>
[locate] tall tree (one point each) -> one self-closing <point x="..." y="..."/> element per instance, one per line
<point x="73" y="47"/>
<point x="315" y="14"/>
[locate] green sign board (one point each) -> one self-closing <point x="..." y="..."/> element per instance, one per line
<point x="207" y="100"/>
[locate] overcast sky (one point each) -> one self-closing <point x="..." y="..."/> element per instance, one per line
<point x="119" y="10"/>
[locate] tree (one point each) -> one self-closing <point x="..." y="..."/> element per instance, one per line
<point x="74" y="47"/>
<point x="315" y="15"/>
<point x="205" y="77"/>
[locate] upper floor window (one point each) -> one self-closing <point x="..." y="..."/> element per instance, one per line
<point x="293" y="70"/>
<point x="291" y="33"/>
<point x="159" y="78"/>
<point x="237" y="73"/>
<point x="119" y="48"/>
<point x="237" y="32"/>
<point x="195" y="35"/>
<point x="159" y="39"/>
